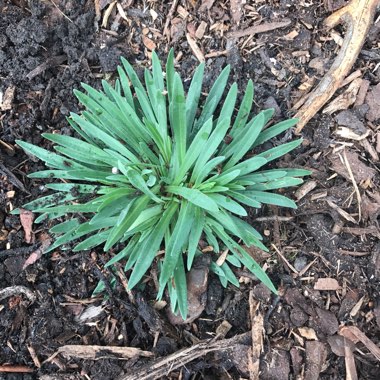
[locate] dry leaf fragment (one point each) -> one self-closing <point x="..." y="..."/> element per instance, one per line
<point x="349" y="360"/>
<point x="257" y="330"/>
<point x="291" y="36"/>
<point x="27" y="218"/>
<point x="327" y="284"/>
<point x="201" y="30"/>
<point x="344" y="100"/>
<point x="6" y="100"/>
<point x="337" y="344"/>
<point x="154" y="14"/>
<point x="359" y="169"/>
<point x="36" y="255"/>
<point x="305" y="189"/>
<point x="206" y="4"/>
<point x="316" y="354"/>
<point x="121" y="12"/>
<point x="308" y="333"/>
<point x="182" y="12"/>
<point x="149" y="44"/>
<point x="373" y="101"/>
<point x="194" y="47"/>
<point x="107" y="14"/>
<point x="223" y="329"/>
<point x="362" y="92"/>
<point x="354" y="334"/>
<point x="347" y="133"/>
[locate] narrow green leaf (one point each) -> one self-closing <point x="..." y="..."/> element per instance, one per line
<point x="136" y="180"/>
<point x="270" y="198"/>
<point x="242" y="198"/>
<point x="170" y="74"/>
<point x="230" y="276"/>
<point x="64" y="227"/>
<point x="277" y="184"/>
<point x="196" y="148"/>
<point x="213" y="142"/>
<point x="243" y="141"/>
<point x="157" y="72"/>
<point x="229" y="103"/>
<point x="244" y="109"/>
<point x="213" y="98"/>
<point x="110" y="141"/>
<point x="194" y="196"/>
<point x="193" y="96"/>
<point x="248" y="166"/>
<point x="181" y="288"/>
<point x="229" y="204"/>
<point x="280" y="150"/>
<point x="134" y="211"/>
<point x="125" y="86"/>
<point x="177" y="113"/>
<point x="123" y="253"/>
<point x="151" y="245"/>
<point x="207" y="168"/>
<point x="211" y="239"/>
<point x="92" y="241"/>
<point x="179" y="238"/>
<point x="195" y="235"/>
<point x="275" y="130"/>
<point x="51" y="159"/>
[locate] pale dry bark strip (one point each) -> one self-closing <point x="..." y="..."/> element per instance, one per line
<point x="261" y="28"/>
<point x="163" y="366"/>
<point x="358" y="16"/>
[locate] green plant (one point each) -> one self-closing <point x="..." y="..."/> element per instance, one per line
<point x="152" y="169"/>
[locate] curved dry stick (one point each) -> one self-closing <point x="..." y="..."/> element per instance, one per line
<point x="358" y="16"/>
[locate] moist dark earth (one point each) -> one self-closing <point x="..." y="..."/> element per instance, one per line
<point x="48" y="48"/>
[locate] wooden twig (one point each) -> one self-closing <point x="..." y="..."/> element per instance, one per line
<point x="163" y="366"/>
<point x="261" y="28"/>
<point x="358" y="16"/>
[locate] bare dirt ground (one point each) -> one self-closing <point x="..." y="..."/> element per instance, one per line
<point x="324" y="257"/>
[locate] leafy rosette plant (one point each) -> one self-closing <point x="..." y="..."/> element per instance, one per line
<point x="153" y="168"/>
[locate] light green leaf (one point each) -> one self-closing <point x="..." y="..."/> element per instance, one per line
<point x="280" y="150"/>
<point x="277" y="184"/>
<point x="134" y="211"/>
<point x="138" y="181"/>
<point x="179" y="239"/>
<point x="177" y="113"/>
<point x="275" y="130"/>
<point x="194" y="196"/>
<point x="229" y="204"/>
<point x="244" y="110"/>
<point x="195" y="235"/>
<point x="193" y="96"/>
<point x="151" y="245"/>
<point x="213" y="98"/>
<point x="181" y="288"/>
<point x="270" y="198"/>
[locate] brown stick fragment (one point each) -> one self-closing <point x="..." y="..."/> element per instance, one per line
<point x="358" y="16"/>
<point x="163" y="366"/>
<point x="262" y="28"/>
<point x="50" y="62"/>
<point x="195" y="48"/>
<point x="16" y="369"/>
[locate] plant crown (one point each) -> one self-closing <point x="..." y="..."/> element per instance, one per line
<point x="154" y="168"/>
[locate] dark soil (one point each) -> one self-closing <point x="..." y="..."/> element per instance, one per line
<point x="47" y="49"/>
